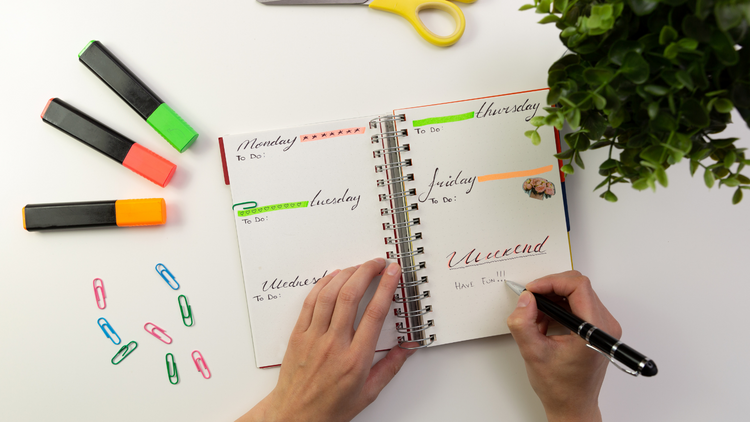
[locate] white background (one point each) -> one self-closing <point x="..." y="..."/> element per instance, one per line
<point x="671" y="266"/>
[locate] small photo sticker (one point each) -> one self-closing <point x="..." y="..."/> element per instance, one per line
<point x="538" y="188"/>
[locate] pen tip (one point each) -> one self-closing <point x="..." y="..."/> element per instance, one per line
<point x="517" y="288"/>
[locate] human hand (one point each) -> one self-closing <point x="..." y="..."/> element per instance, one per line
<point x="565" y="374"/>
<point x="326" y="374"/>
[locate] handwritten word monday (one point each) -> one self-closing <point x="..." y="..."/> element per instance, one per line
<point x="255" y="144"/>
<point x="476" y="257"/>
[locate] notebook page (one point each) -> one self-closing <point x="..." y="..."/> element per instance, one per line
<point x="317" y="210"/>
<point x="490" y="206"/>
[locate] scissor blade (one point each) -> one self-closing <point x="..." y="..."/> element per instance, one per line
<point x="278" y="2"/>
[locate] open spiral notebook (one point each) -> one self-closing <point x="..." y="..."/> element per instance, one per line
<point x="454" y="191"/>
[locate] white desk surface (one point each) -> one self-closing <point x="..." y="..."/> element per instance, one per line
<point x="671" y="266"/>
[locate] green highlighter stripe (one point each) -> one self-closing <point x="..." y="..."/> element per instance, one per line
<point x="269" y="208"/>
<point x="443" y="119"/>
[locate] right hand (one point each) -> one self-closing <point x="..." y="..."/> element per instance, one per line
<point x="565" y="374"/>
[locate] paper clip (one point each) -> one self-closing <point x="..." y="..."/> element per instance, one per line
<point x="254" y="205"/>
<point x="153" y="331"/>
<point x="104" y="328"/>
<point x="172" y="369"/>
<point x="200" y="361"/>
<point x="97" y="288"/>
<point x="171" y="279"/>
<point x="185" y="317"/>
<point x="124" y="352"/>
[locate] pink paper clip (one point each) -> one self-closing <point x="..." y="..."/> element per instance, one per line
<point x="198" y="361"/>
<point x="101" y="303"/>
<point x="153" y="331"/>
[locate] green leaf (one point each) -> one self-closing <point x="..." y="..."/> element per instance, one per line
<point x="743" y="179"/>
<point x="635" y="68"/>
<point x="568" y="31"/>
<point x="667" y="35"/>
<point x="526" y="7"/>
<point x="622" y="47"/>
<point x="599" y="101"/>
<point x="694" y="114"/>
<point x="537" y="121"/>
<point x="653" y="110"/>
<point x="582" y="100"/>
<point x="643" y="7"/>
<point x="609" y="196"/>
<point x="732" y="182"/>
<point x="663" y="122"/>
<point x="695" y="28"/>
<point x="608" y="164"/>
<point x="604" y="182"/>
<point x="549" y="19"/>
<point x="703" y="8"/>
<point x="560" y="5"/>
<point x="723" y="105"/>
<point x="657" y="90"/>
<point x="655" y="154"/>
<point x="708" y="177"/>
<point x="579" y="160"/>
<point x="684" y="77"/>
<point x="641" y="184"/>
<point x="535" y="138"/>
<point x="617" y="118"/>
<point x="729" y="159"/>
<point x="568" y="169"/>
<point x="687" y="44"/>
<point x="574" y="118"/>
<point x="671" y="51"/>
<point x="724" y="48"/>
<point x="737" y="197"/>
<point x="661" y="176"/>
<point x="597" y="76"/>
<point x="693" y="167"/>
<point x="595" y="124"/>
<point x="727" y="15"/>
<point x="568" y="153"/>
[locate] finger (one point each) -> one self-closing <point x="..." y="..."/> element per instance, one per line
<point x="523" y="326"/>
<point x="308" y="306"/>
<point x="326" y="301"/>
<point x="383" y="372"/>
<point x="371" y="323"/>
<point x="347" y="303"/>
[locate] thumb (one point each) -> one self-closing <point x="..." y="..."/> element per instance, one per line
<point x="523" y="327"/>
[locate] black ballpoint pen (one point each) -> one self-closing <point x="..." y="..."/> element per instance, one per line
<point x="600" y="341"/>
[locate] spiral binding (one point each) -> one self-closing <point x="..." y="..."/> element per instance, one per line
<point x="415" y="324"/>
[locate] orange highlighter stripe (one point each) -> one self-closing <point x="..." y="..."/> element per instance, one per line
<point x="140" y="212"/>
<point x="513" y="174"/>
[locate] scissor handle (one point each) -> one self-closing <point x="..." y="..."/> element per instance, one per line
<point x="409" y="10"/>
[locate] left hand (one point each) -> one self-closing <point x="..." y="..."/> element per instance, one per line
<point x="326" y="374"/>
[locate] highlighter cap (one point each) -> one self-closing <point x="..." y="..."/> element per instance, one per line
<point x="141" y="212"/>
<point x="149" y="165"/>
<point x="172" y="128"/>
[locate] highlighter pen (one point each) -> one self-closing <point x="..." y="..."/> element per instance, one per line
<point x="610" y="347"/>
<point x="72" y="215"/>
<point x="91" y="132"/>
<point x="138" y="96"/>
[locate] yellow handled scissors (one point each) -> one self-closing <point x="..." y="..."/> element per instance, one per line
<point x="408" y="9"/>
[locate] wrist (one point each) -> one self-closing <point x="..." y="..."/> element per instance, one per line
<point x="582" y="414"/>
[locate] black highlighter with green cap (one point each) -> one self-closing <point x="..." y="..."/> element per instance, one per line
<point x="137" y="95"/>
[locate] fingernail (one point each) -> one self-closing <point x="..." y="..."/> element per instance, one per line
<point x="392" y="269"/>
<point x="523" y="300"/>
<point x="380" y="261"/>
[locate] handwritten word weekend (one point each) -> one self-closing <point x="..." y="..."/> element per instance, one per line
<point x="475" y="257"/>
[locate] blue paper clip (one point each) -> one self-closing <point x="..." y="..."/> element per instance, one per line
<point x="172" y="369"/>
<point x="185" y="316"/>
<point x="171" y="279"/>
<point x="104" y="328"/>
<point x="124" y="352"/>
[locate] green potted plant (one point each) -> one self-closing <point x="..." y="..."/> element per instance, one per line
<point x="654" y="81"/>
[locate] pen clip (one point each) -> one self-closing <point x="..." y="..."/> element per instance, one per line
<point x="611" y="358"/>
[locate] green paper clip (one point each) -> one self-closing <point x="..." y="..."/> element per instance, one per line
<point x="172" y="369"/>
<point x="185" y="316"/>
<point x="124" y="352"/>
<point x="254" y="205"/>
